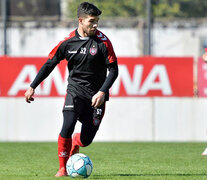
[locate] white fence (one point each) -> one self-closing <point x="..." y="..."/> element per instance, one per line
<point x="126" y="119"/>
<point x="168" y="41"/>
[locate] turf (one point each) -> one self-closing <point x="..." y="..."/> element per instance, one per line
<point x="173" y="161"/>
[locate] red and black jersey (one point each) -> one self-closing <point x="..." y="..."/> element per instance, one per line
<point x="88" y="59"/>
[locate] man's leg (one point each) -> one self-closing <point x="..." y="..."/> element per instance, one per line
<point x="91" y="120"/>
<point x="65" y="141"/>
<point x="76" y="143"/>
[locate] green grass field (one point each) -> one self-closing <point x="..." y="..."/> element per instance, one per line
<point x="25" y="161"/>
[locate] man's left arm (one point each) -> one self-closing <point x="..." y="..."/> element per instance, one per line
<point x="113" y="73"/>
<point x="99" y="97"/>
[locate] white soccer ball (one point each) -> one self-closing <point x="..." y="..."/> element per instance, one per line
<point x="79" y="165"/>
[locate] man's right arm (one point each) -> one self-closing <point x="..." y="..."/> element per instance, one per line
<point x="28" y="95"/>
<point x="45" y="70"/>
<point x="41" y="75"/>
<point x="56" y="55"/>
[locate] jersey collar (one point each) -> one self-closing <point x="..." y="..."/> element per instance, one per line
<point x="80" y="37"/>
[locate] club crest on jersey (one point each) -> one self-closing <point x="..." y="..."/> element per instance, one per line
<point x="93" y="51"/>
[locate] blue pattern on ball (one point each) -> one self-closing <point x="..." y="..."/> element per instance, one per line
<point x="79" y="165"/>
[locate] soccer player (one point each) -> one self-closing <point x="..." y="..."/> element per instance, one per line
<point x="89" y="54"/>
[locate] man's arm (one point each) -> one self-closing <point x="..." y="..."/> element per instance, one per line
<point x="28" y="95"/>
<point x="99" y="97"/>
<point x="42" y="74"/>
<point x="111" y="61"/>
<point x="45" y="70"/>
<point x="113" y="73"/>
<point x="55" y="56"/>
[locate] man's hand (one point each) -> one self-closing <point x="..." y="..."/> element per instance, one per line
<point x="98" y="99"/>
<point x="204" y="57"/>
<point x="28" y="95"/>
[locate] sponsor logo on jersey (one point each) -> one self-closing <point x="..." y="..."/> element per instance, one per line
<point x="102" y="37"/>
<point x="93" y="51"/>
<point x="72" y="52"/>
<point x="69" y="106"/>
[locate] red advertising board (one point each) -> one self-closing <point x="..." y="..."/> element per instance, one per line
<point x="154" y="76"/>
<point x="138" y="77"/>
<point x="202" y="78"/>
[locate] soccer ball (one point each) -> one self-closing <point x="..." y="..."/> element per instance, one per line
<point x="79" y="165"/>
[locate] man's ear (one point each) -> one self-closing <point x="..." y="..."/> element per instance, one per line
<point x="80" y="20"/>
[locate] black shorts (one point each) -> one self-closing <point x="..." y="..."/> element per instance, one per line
<point x="84" y="109"/>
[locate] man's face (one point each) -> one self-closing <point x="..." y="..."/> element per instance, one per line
<point x="89" y="24"/>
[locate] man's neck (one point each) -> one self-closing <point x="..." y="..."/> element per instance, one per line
<point x="81" y="32"/>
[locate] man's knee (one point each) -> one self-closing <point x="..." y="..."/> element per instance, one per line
<point x="86" y="141"/>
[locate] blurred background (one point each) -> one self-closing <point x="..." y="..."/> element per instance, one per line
<point x="177" y="27"/>
<point x="160" y="94"/>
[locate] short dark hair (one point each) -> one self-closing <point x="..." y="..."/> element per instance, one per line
<point x="87" y="8"/>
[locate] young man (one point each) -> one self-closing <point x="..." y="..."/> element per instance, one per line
<point x="89" y="54"/>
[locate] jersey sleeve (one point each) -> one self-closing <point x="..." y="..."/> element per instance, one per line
<point x="54" y="58"/>
<point x="113" y="73"/>
<point x="109" y="53"/>
<point x="45" y="70"/>
<point x="107" y="48"/>
<point x="57" y="53"/>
